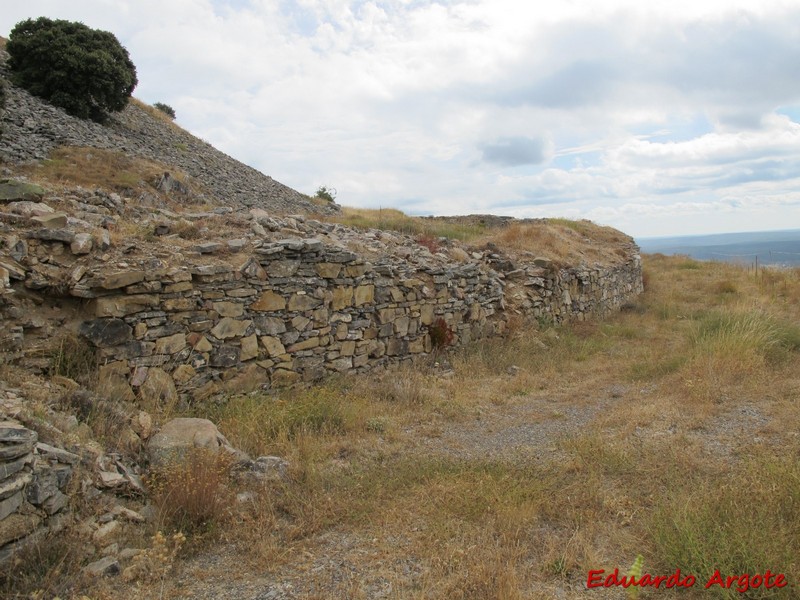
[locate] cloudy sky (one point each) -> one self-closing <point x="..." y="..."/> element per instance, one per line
<point x="660" y="118"/>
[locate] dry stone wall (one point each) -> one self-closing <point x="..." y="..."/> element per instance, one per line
<point x="291" y="309"/>
<point x="33" y="478"/>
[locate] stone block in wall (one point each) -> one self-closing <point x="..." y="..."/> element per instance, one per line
<point x="249" y="348"/>
<point x="401" y="325"/>
<point x="417" y="346"/>
<point x="306" y="344"/>
<point x="386" y="315"/>
<point x="396" y="347"/>
<point x="14" y="484"/>
<point x="269" y="301"/>
<point x="121" y="306"/>
<point x="158" y="389"/>
<point x="282" y="268"/>
<point x="225" y="356"/>
<point x="284" y="377"/>
<point x="112" y="381"/>
<point x="328" y="270"/>
<point x="15" y="440"/>
<point x="342" y="364"/>
<point x="121" y="279"/>
<point x="249" y="379"/>
<point x="302" y="302"/>
<point x="183" y="374"/>
<point x="171" y="344"/>
<point x="229" y="309"/>
<point x="426" y="314"/>
<point x="300" y="323"/>
<point x="7" y="469"/>
<point x="203" y="345"/>
<point x="342" y="297"/>
<point x="272" y="345"/>
<point x="364" y="294"/>
<point x="11" y="504"/>
<point x="269" y="325"/>
<point x="17" y="526"/>
<point x="43" y="485"/>
<point x="356" y="270"/>
<point x="179" y="304"/>
<point x="177" y="288"/>
<point x="106" y="332"/>
<point x="229" y="328"/>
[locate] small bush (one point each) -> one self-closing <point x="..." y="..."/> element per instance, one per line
<point x="441" y="334"/>
<point x="192" y="493"/>
<point x="73" y="357"/>
<point x="326" y="193"/>
<point x="166" y="109"/>
<point x="429" y="242"/>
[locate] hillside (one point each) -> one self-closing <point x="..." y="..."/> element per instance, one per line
<point x="32" y="129"/>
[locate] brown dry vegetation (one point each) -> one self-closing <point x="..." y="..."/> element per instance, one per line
<point x="97" y="167"/>
<point x="668" y="430"/>
<point x="563" y="241"/>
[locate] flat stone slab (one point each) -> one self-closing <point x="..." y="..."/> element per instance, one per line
<point x="19" y="190"/>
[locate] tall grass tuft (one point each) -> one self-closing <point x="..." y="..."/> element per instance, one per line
<point x="191" y="493"/>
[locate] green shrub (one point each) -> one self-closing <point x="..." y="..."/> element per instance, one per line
<point x="166" y="109"/>
<point x="85" y="71"/>
<point x="326" y="193"/>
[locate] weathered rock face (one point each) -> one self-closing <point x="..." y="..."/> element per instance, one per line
<point x="32" y="128"/>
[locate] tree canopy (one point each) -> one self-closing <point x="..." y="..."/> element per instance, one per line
<point x="85" y="71"/>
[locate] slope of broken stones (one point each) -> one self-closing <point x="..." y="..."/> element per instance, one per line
<point x="31" y="129"/>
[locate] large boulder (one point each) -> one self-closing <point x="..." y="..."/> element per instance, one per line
<point x="179" y="436"/>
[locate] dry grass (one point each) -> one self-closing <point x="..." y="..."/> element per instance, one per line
<point x="563" y="241"/>
<point x="688" y="405"/>
<point x="96" y="167"/>
<point x="155" y="113"/>
<point x="113" y="171"/>
<point x="191" y="493"/>
<point x="390" y="219"/>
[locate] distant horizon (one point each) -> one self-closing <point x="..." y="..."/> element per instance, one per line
<point x="720" y="233"/>
<point x="776" y="247"/>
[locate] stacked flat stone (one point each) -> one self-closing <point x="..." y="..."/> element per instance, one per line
<point x="32" y="477"/>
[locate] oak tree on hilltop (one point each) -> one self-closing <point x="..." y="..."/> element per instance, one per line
<point x="85" y="71"/>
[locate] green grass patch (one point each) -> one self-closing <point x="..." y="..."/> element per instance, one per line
<point x="255" y="423"/>
<point x="747" y="522"/>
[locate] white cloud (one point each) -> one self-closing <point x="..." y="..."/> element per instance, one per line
<point x="635" y="114"/>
